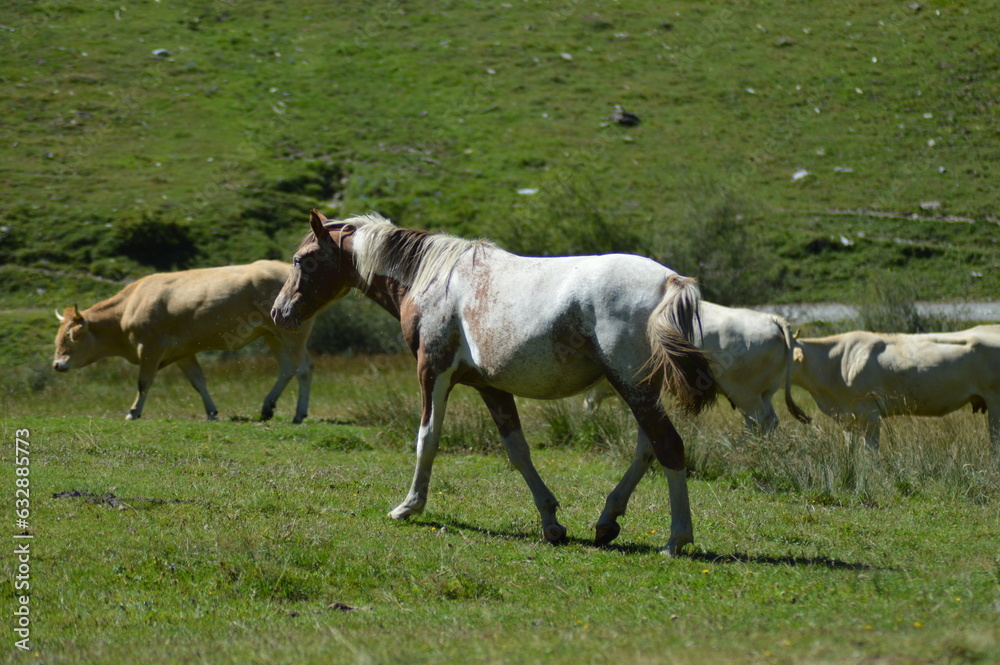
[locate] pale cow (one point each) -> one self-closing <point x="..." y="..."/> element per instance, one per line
<point x="169" y="317"/>
<point x="751" y="354"/>
<point x="860" y="377"/>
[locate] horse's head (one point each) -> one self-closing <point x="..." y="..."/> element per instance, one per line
<point x="322" y="271"/>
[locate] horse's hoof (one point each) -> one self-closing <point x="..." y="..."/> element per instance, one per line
<point x="606" y="533"/>
<point x="554" y="534"/>
<point x="403" y="511"/>
<point x="675" y="545"/>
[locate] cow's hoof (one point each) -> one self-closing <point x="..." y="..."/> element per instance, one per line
<point x="297" y="420"/>
<point x="212" y="416"/>
<point x="266" y="415"/>
<point x="131" y="416"/>
<point x="606" y="533"/>
<point x="554" y="533"/>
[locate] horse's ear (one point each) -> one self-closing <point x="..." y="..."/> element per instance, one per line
<point x="316" y="219"/>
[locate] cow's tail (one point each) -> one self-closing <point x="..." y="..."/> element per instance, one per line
<point x="799" y="414"/>
<point x="680" y="367"/>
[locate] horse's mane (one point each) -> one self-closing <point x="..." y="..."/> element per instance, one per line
<point x="411" y="256"/>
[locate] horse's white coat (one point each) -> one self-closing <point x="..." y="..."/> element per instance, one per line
<point x="509" y="325"/>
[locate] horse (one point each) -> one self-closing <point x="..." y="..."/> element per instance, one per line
<point x="542" y="328"/>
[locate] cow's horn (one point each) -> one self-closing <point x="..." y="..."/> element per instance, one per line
<point x="59" y="316"/>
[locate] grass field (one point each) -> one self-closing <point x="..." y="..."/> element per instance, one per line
<point x="788" y="151"/>
<point x="171" y="539"/>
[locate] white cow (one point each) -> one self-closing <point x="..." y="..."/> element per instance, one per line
<point x="751" y="354"/>
<point x="860" y="377"/>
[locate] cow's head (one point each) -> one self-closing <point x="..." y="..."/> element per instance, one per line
<point x="322" y="271"/>
<point x="76" y="345"/>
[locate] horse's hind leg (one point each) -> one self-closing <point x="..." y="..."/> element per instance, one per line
<point x="617" y="503"/>
<point x="659" y="438"/>
<point x="504" y="411"/>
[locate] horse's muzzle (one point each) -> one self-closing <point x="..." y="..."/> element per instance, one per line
<point x="285" y="322"/>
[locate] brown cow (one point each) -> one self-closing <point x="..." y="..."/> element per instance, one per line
<point x="169" y="317"/>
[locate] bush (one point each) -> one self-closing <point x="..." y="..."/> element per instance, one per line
<point x="564" y="218"/>
<point x="149" y="238"/>
<point x="350" y="326"/>
<point x="716" y="242"/>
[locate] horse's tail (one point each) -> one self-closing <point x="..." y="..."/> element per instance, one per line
<point x="680" y="367"/>
<point x="799" y="414"/>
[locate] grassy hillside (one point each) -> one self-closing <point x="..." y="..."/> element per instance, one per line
<point x="160" y="135"/>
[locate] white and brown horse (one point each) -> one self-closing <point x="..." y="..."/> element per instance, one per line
<point x="508" y="325"/>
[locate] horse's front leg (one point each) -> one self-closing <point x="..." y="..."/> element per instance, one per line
<point x="504" y="411"/>
<point x="434" y="391"/>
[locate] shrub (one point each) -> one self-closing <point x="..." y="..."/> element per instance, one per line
<point x="149" y="238"/>
<point x="715" y="241"/>
<point x="565" y="217"/>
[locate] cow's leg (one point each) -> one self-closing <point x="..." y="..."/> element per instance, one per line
<point x="192" y="370"/>
<point x="286" y="370"/>
<point x="504" y="411"/>
<point x="149" y="363"/>
<point x="658" y="433"/>
<point x="434" y="391"/>
<point x="293" y="360"/>
<point x="993" y="418"/>
<point x="869" y="426"/>
<point x="303" y="372"/>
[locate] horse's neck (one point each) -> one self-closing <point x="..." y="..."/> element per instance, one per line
<point x="387" y="293"/>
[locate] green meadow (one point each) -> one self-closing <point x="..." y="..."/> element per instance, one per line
<point x="787" y="152"/>
<point x="172" y="539"/>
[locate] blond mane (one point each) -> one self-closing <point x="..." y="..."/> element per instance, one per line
<point x="410" y="256"/>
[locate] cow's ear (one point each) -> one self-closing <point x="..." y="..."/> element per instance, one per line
<point x="798" y="356"/>
<point x="316" y="220"/>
